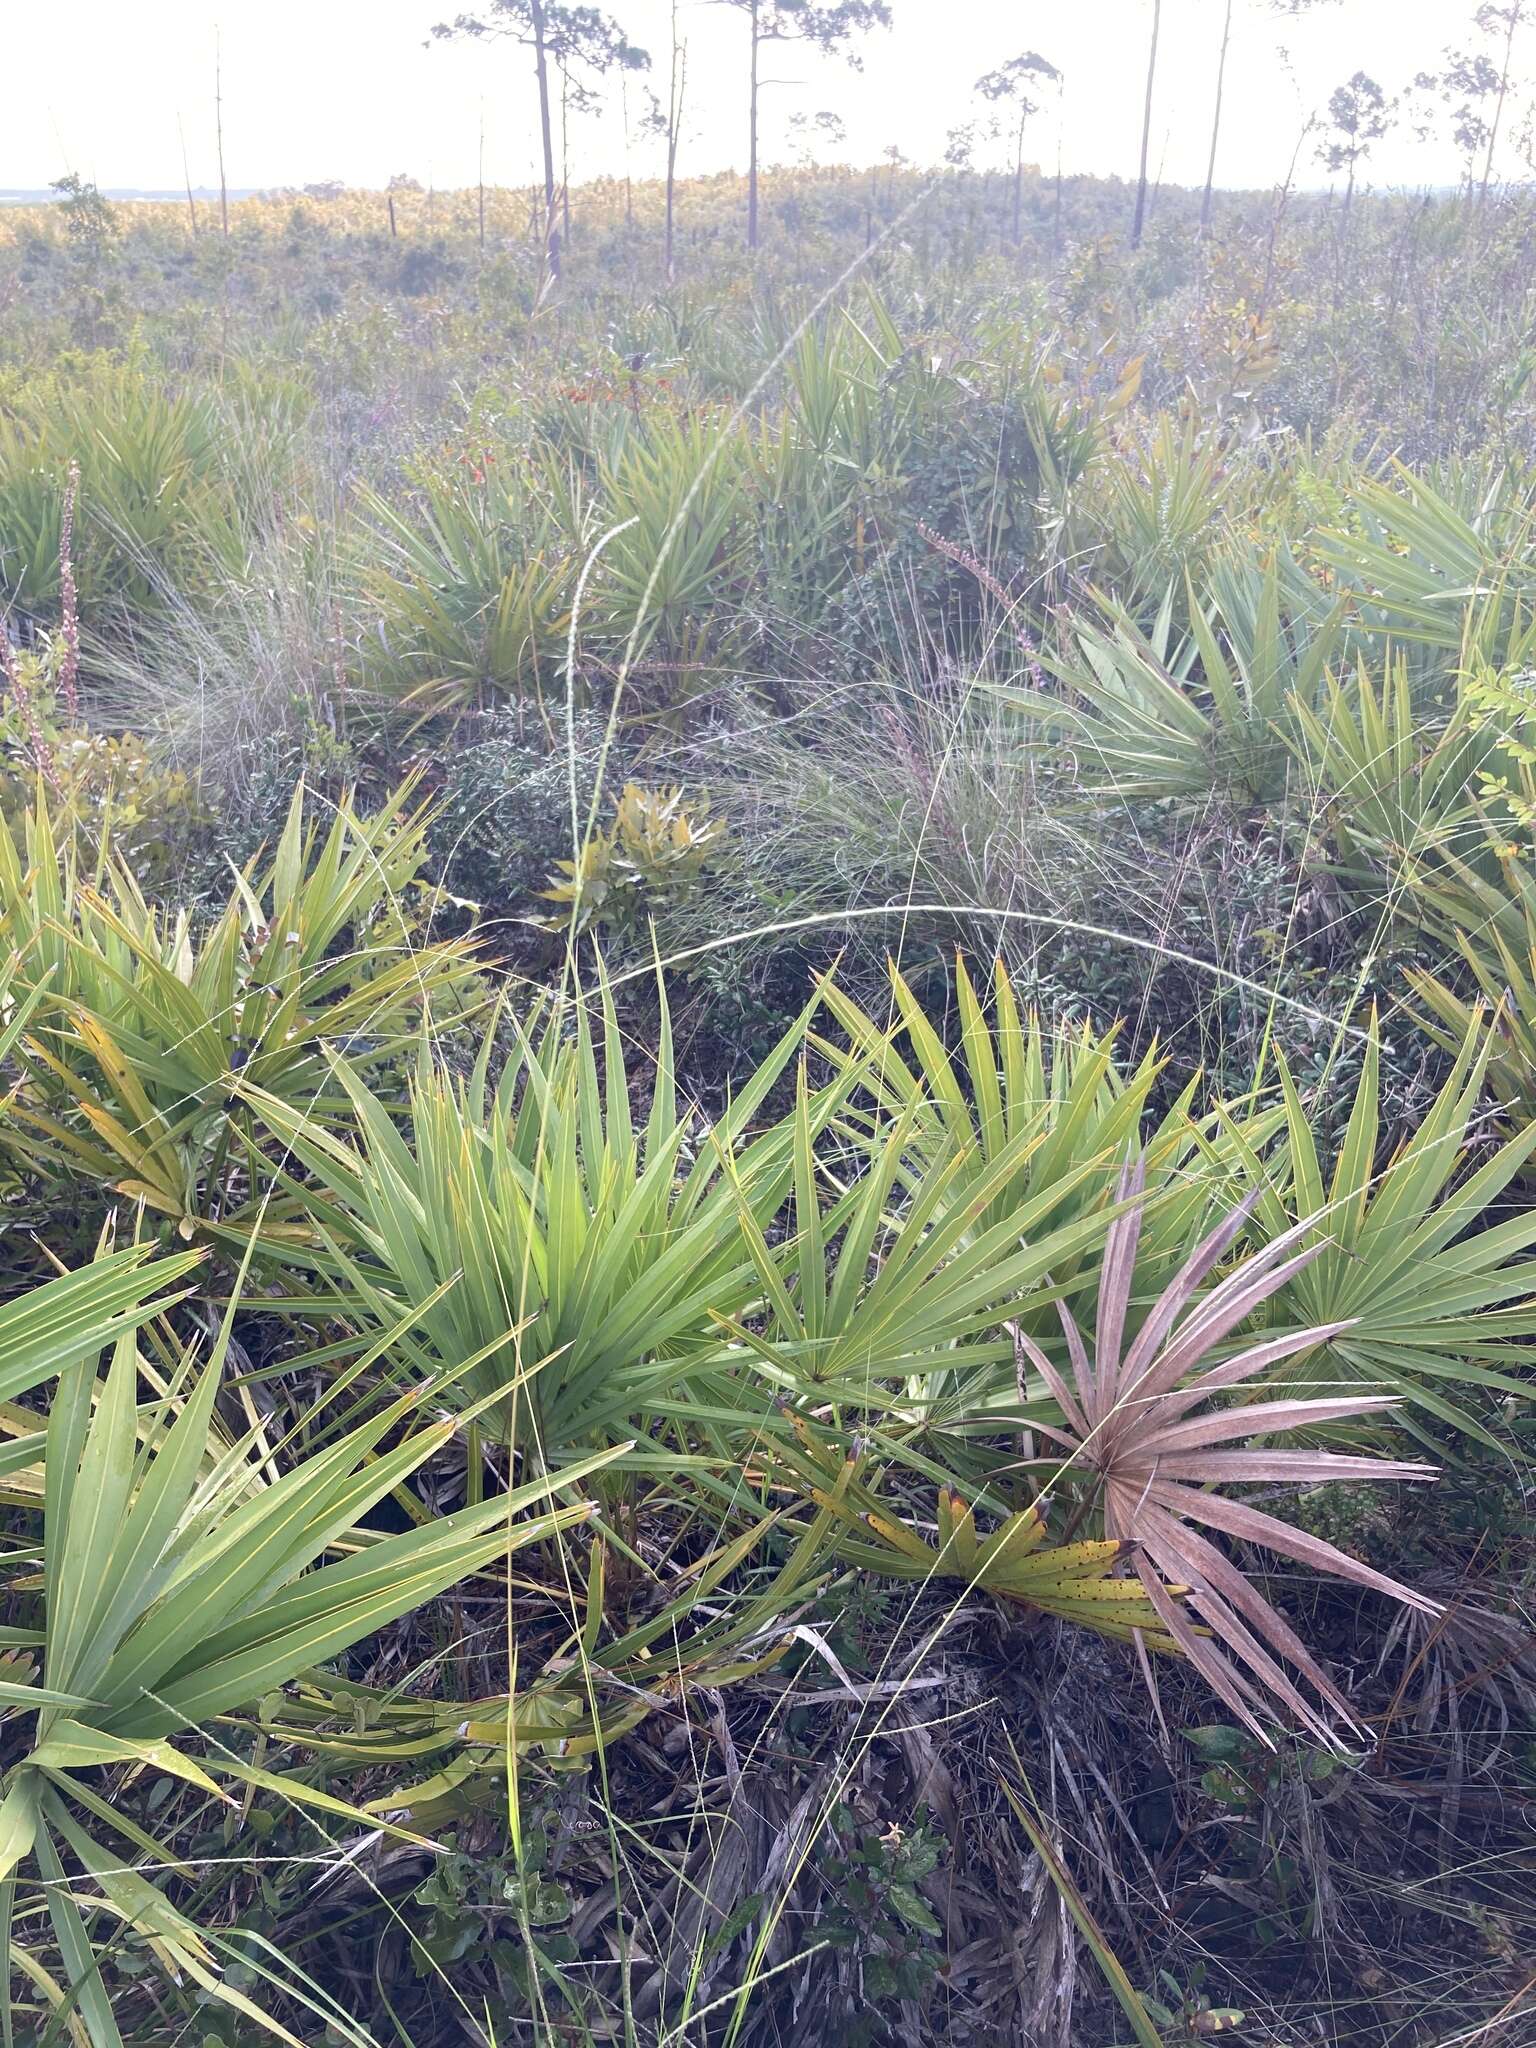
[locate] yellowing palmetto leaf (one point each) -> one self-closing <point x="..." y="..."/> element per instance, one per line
<point x="1076" y="1581"/>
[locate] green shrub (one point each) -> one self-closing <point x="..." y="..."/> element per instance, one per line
<point x="501" y="818"/>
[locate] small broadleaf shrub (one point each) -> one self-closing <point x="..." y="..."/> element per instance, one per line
<point x="111" y="787"/>
<point x="652" y="856"/>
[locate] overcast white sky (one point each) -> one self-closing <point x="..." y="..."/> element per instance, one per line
<point x="344" y="88"/>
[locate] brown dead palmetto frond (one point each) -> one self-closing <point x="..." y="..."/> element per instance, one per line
<point x="1141" y="1417"/>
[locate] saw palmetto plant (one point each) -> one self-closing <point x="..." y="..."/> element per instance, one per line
<point x="156" y="493"/>
<point x="1058" y="1095"/>
<point x="1144" y="1411"/>
<point x="146" y="1029"/>
<point x="1205" y="712"/>
<point x="1166" y="508"/>
<point x="170" y="1595"/>
<point x="1502" y="996"/>
<point x="894" y="1308"/>
<point x="55" y="1325"/>
<point x="1432" y="1283"/>
<point x="533" y="1228"/>
<point x="1429" y="573"/>
<point x="681" y="507"/>
<point x="473" y="597"/>
<point x="1396" y="788"/>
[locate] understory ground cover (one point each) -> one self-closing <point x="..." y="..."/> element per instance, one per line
<point x="769" y="1119"/>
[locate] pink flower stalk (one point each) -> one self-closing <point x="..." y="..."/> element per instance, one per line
<point x="69" y="671"/>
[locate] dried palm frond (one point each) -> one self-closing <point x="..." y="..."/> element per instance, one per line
<point x="1140" y="1417"/>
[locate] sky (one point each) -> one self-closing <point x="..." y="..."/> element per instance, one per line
<point x="319" y="89"/>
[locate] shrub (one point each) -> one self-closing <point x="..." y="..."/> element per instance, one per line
<point x="501" y="817"/>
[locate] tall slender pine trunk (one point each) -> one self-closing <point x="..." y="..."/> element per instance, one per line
<point x="546" y="136"/>
<point x="218" y="124"/>
<point x="1221" y="79"/>
<point x="752" y="138"/>
<point x="675" y="87"/>
<point x="629" y="183"/>
<point x="1140" y="218"/>
<point x="1515" y="11"/>
<point x="565" y="154"/>
<point x="1018" y="180"/>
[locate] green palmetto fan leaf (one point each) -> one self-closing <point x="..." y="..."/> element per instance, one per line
<point x="54" y="1326"/>
<point x="587" y="1254"/>
<point x="1142" y="717"/>
<point x="40" y="883"/>
<point x="1440" y="1309"/>
<point x="1000" y="1082"/>
<point x="894" y="1306"/>
<point x="173" y="1597"/>
<point x="144" y="1035"/>
<point x="1396" y="781"/>
<point x="1506" y="983"/>
<point x="680" y="504"/>
<point x="18" y="1002"/>
<point x="1420" y="569"/>
<point x="156" y="499"/>
<point x="174" y="1593"/>
<point x="1138" y="1413"/>
<point x="473" y="590"/>
<point x="1482" y="890"/>
<point x="1166" y="503"/>
<point x="1481" y="900"/>
<point x="1007" y="1078"/>
<point x="1056" y="1104"/>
